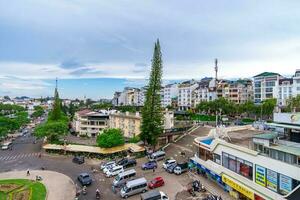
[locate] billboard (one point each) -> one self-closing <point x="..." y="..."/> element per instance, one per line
<point x="260" y="175"/>
<point x="285" y="184"/>
<point x="272" y="180"/>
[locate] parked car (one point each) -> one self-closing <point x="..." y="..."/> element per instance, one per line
<point x="114" y="171"/>
<point x="85" y="179"/>
<point x="156" y="182"/>
<point x="180" y="168"/>
<point x="78" y="159"/>
<point x="158" y="155"/>
<point x="109" y="167"/>
<point x="134" y="187"/>
<point x="169" y="162"/>
<point x="106" y="164"/>
<point x="122" y="161"/>
<point x="123" y="177"/>
<point x="149" y="165"/>
<point x="171" y="168"/>
<point x="154" y="195"/>
<point x="129" y="163"/>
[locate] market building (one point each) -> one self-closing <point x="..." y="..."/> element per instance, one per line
<point x="250" y="164"/>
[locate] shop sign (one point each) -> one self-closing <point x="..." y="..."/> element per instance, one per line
<point x="285" y="184"/>
<point x="248" y="193"/>
<point x="260" y="175"/>
<point x="272" y="180"/>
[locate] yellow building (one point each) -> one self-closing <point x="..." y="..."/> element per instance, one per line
<point x="130" y="123"/>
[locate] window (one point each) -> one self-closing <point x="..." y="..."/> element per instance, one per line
<point x="225" y="160"/>
<point x="232" y="163"/>
<point x="217" y="158"/>
<point x="245" y="168"/>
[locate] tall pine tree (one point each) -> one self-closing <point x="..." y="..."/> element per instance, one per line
<point x="56" y="111"/>
<point x="152" y="117"/>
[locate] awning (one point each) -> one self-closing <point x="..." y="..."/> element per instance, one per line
<point x="284" y="125"/>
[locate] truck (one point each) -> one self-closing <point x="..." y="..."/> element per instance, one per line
<point x="181" y="168"/>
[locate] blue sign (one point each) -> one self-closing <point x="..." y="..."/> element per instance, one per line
<point x="285" y="184"/>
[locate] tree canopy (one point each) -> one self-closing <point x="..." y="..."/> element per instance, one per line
<point x="110" y="138"/>
<point x="152" y="117"/>
<point x="38" y="112"/>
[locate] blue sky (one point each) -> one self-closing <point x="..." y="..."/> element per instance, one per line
<point x="95" y="47"/>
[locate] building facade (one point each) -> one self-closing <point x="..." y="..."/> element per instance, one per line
<point x="185" y="94"/>
<point x="260" y="166"/>
<point x="89" y="123"/>
<point x="168" y="94"/>
<point x="130" y="123"/>
<point x="264" y="86"/>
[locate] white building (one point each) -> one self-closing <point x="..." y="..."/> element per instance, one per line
<point x="185" y="93"/>
<point x="265" y="86"/>
<point x="204" y="92"/>
<point x="250" y="165"/>
<point x="168" y="93"/>
<point x="89" y="123"/>
<point x="284" y="90"/>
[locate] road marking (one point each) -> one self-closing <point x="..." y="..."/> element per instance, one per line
<point x="18" y="156"/>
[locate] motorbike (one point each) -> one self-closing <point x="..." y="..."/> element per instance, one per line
<point x="84" y="191"/>
<point x="38" y="178"/>
<point x="97" y="195"/>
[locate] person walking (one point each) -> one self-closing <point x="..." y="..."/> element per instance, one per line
<point x="28" y="173"/>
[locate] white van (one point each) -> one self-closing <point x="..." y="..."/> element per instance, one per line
<point x="159" y="155"/>
<point x="121" y="178"/>
<point x="134" y="187"/>
<point x="114" y="171"/>
<point x="154" y="195"/>
<point x="6" y="145"/>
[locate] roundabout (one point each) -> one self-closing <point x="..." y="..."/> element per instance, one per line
<point x="17" y="185"/>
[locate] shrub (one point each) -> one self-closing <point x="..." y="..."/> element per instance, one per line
<point x="110" y="138"/>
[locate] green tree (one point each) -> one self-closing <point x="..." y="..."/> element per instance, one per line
<point x="52" y="130"/>
<point x="38" y="111"/>
<point x="56" y="112"/>
<point x="110" y="138"/>
<point x="293" y="104"/>
<point x="268" y="107"/>
<point x="152" y="116"/>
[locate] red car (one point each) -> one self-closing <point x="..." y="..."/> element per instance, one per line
<point x="156" y="182"/>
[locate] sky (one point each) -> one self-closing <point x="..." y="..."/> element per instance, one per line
<point x="97" y="47"/>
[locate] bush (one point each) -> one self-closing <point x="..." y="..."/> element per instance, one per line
<point x="53" y="130"/>
<point x="135" y="139"/>
<point x="110" y="138"/>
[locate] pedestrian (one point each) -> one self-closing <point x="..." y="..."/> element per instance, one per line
<point x="153" y="169"/>
<point x="28" y="173"/>
<point x="40" y="155"/>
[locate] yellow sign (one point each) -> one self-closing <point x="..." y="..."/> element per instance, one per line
<point x="238" y="187"/>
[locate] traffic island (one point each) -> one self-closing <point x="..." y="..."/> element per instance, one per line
<point x="18" y="185"/>
<point x="22" y="189"/>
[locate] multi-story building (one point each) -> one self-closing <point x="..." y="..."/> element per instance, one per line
<point x="264" y="85"/>
<point x="89" y="123"/>
<point x="130" y="123"/>
<point x="296" y="83"/>
<point x="284" y="90"/>
<point x="240" y="91"/>
<point x="251" y="164"/>
<point x="185" y="94"/>
<point x="168" y="93"/>
<point x="129" y="97"/>
<point x="204" y="92"/>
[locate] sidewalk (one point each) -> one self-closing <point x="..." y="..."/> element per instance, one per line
<point x="59" y="186"/>
<point x="211" y="186"/>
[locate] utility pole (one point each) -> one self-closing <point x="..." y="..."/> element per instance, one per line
<point x="216" y="82"/>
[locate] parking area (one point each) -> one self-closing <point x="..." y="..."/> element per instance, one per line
<point x="173" y="183"/>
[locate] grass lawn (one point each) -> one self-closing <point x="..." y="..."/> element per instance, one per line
<point x="22" y="189"/>
<point x="204" y="118"/>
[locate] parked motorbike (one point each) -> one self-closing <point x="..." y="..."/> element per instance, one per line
<point x="97" y="194"/>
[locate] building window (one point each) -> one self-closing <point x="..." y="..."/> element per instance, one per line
<point x="245" y="168"/>
<point x="232" y="163"/>
<point x="217" y="158"/>
<point x="225" y="160"/>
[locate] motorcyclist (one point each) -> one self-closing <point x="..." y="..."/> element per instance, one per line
<point x="98" y="193"/>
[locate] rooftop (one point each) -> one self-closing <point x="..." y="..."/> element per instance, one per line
<point x="243" y="137"/>
<point x="266" y="136"/>
<point x="267" y="74"/>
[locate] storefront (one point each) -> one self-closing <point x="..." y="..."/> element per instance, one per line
<point x="208" y="173"/>
<point x="236" y="190"/>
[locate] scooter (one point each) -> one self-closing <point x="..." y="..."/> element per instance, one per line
<point x="84" y="191"/>
<point x="97" y="194"/>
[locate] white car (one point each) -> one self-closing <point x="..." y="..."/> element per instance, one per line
<point x="114" y="171"/>
<point x="107" y="164"/>
<point x="108" y="168"/>
<point x="168" y="163"/>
